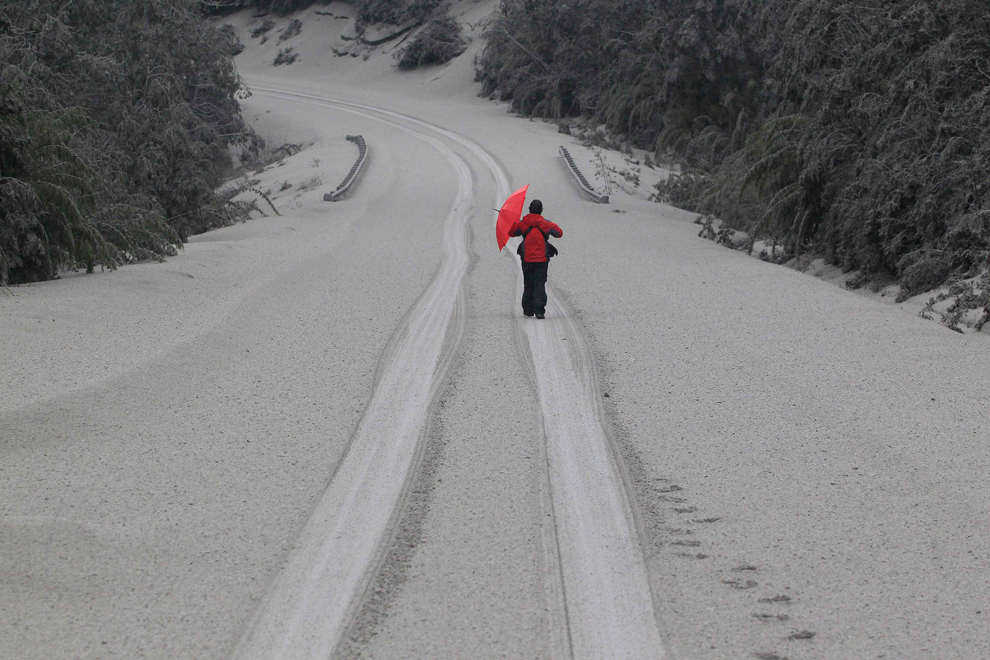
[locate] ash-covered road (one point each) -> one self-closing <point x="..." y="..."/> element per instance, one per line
<point x="594" y="567"/>
<point x="331" y="432"/>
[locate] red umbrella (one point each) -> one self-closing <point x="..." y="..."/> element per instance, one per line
<point x="509" y="213"/>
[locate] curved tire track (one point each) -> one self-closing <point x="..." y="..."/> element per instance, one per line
<point x="305" y="613"/>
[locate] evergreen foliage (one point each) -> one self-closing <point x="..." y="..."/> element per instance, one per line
<point x="860" y="129"/>
<point x="368" y="11"/>
<point x="395" y="11"/>
<point x="115" y="120"/>
<point x="438" y="42"/>
<point x="282" y="7"/>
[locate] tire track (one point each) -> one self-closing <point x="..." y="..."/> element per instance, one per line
<point x="611" y="611"/>
<point x="305" y="613"/>
<point x="608" y="603"/>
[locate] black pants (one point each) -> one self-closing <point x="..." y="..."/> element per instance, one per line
<point x="534" y="299"/>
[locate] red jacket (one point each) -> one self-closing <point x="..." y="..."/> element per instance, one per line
<point x="536" y="246"/>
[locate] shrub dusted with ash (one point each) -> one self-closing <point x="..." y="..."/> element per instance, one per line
<point x="285" y="56"/>
<point x="438" y="42"/>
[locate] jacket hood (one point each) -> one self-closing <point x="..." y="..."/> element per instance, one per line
<point x="532" y="219"/>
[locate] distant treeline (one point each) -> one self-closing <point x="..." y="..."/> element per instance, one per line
<point x="115" y="121"/>
<point x="368" y="11"/>
<point x="859" y="130"/>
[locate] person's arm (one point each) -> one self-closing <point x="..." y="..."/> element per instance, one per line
<point x="514" y="230"/>
<point x="552" y="229"/>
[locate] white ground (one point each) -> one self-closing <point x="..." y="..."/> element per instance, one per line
<point x="734" y="451"/>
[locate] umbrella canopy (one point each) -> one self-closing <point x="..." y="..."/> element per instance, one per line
<point x="509" y="213"/>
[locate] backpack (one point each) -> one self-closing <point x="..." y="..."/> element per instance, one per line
<point x="551" y="248"/>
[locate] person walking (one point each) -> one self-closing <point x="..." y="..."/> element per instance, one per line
<point x="535" y="251"/>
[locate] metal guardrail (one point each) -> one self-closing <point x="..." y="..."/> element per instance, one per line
<point x="355" y="170"/>
<point x="582" y="182"/>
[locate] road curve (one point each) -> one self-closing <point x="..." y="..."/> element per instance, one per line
<point x="306" y="611"/>
<point x="609" y="606"/>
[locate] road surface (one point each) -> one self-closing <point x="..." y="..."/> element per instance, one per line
<point x="332" y="432"/>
